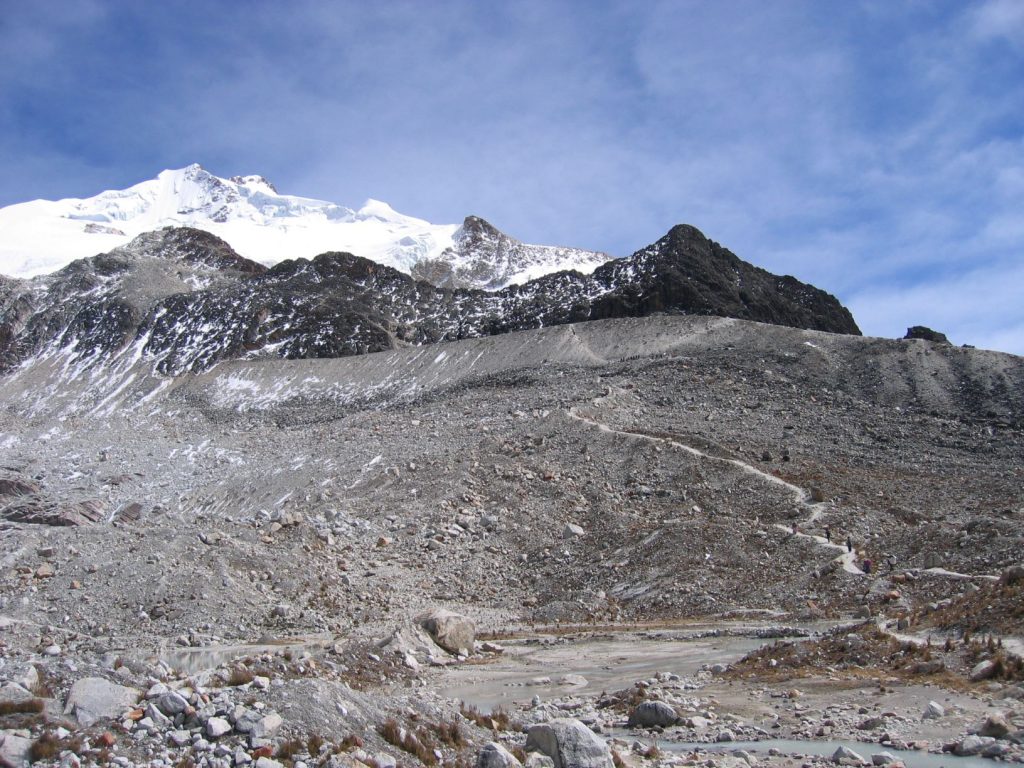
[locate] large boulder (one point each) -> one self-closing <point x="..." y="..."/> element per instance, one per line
<point x="493" y="755"/>
<point x="451" y="631"/>
<point x="569" y="744"/>
<point x="92" y="699"/>
<point x="650" y="714"/>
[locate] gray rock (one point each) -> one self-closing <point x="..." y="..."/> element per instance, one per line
<point x="266" y="726"/>
<point x="569" y="744"/>
<point x="159" y="719"/>
<point x="171" y="703"/>
<point x="14" y="749"/>
<point x="449" y="630"/>
<point x="266" y="762"/>
<point x="180" y="738"/>
<point x="933" y="711"/>
<point x="883" y="758"/>
<point x="982" y="670"/>
<point x="995" y="750"/>
<point x="572" y="531"/>
<point x="698" y="722"/>
<point x="538" y="760"/>
<point x="973" y="745"/>
<point x="649" y="714"/>
<point x="846" y="755"/>
<point x="217" y="727"/>
<point x="871" y="723"/>
<point x="93" y="698"/>
<point x="725" y="736"/>
<point x="493" y="755"/>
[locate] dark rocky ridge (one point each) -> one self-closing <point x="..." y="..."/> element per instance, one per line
<point x="185" y="300"/>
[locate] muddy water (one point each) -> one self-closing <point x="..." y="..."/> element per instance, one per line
<point x="604" y="664"/>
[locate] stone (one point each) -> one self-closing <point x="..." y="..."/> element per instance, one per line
<point x="160" y="720"/>
<point x="44" y="571"/>
<point x="569" y="744"/>
<point x="217" y="727"/>
<point x="449" y="630"/>
<point x="871" y="723"/>
<point x="973" y="745"/>
<point x="180" y="738"/>
<point x="697" y="722"/>
<point x="845" y="755"/>
<point x="983" y="670"/>
<point x="493" y="755"/>
<point x="93" y="698"/>
<point x="995" y="726"/>
<point x="725" y="736"/>
<point x="933" y="711"/>
<point x="171" y="703"/>
<point x="538" y="760"/>
<point x="649" y="714"/>
<point x="267" y="762"/>
<point x="572" y="531"/>
<point x="266" y="726"/>
<point x="14" y="749"/>
<point x="883" y="758"/>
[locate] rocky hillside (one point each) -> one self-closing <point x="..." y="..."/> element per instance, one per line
<point x="184" y="300"/>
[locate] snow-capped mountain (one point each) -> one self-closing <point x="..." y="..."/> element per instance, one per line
<point x="263" y="225"/>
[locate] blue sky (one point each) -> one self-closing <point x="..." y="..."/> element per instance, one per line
<point x="875" y="149"/>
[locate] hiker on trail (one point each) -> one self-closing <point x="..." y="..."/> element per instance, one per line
<point x="828" y="535"/>
<point x="849" y="544"/>
<point x="867" y="566"/>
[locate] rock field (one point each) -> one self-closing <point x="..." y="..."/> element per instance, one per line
<point x="246" y="566"/>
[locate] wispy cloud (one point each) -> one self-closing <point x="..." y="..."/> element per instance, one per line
<point x="872" y="148"/>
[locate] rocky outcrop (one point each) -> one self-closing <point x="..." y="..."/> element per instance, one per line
<point x="926" y="333"/>
<point x="183" y="300"/>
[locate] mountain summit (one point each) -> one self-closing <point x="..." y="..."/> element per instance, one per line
<point x="263" y="225"/>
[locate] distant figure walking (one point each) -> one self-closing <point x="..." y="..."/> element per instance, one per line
<point x="849" y="544"/>
<point x="828" y="535"/>
<point x="867" y="566"/>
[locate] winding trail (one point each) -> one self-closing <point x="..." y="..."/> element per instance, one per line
<point x="846" y="559"/>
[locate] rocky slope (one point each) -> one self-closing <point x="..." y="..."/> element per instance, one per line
<point x="183" y="300"/>
<point x="288" y="521"/>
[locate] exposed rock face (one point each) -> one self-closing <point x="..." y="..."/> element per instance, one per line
<point x="926" y="333"/>
<point x="569" y="743"/>
<point x="184" y="300"/>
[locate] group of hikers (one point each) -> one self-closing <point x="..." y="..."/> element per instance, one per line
<point x="866" y="564"/>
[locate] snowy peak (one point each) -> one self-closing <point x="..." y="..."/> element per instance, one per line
<point x="482" y="256"/>
<point x="264" y="225"/>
